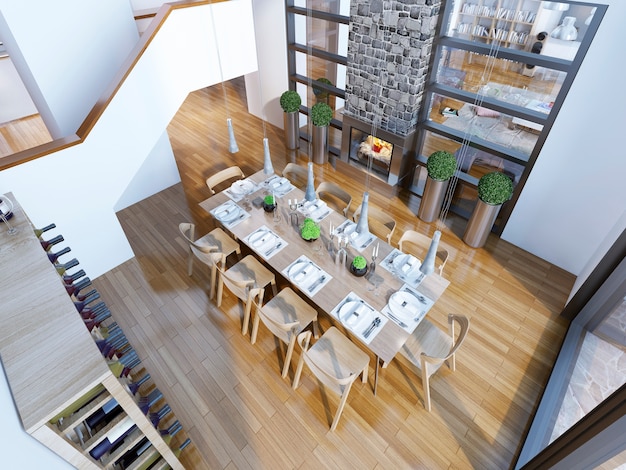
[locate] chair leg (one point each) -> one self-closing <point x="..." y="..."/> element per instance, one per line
<point x="212" y="282"/>
<point x="246" y="317"/>
<point x="288" y="355"/>
<point x="220" y="291"/>
<point x="342" y="403"/>
<point x="296" y="377"/>
<point x="255" y="328"/>
<point x="426" y="387"/>
<point x="365" y="373"/>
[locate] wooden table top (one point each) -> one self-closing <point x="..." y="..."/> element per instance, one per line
<point x="391" y="337"/>
<point x="47" y="352"/>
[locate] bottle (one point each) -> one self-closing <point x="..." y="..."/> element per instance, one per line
<point x="40" y="231"/>
<point x="61" y="268"/>
<point x="155" y="418"/>
<point x="47" y="244"/>
<point x="182" y="447"/>
<point x="70" y="278"/>
<point x="170" y="432"/>
<point x="103" y="415"/>
<point x="145" y="403"/>
<point x="133" y="387"/>
<point x="113" y="437"/>
<point x="75" y="288"/>
<point x="80" y="305"/>
<point x="129" y="457"/>
<point x="53" y="257"/>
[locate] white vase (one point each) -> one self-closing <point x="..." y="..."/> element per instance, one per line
<point x="309" y="194"/>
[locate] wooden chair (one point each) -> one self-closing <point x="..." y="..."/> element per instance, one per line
<point x="333" y="195"/>
<point x="286" y="315"/>
<point x="335" y="361"/>
<point x="380" y="222"/>
<point x="212" y="249"/>
<point x="246" y="279"/>
<point x="297" y="174"/>
<point x="429" y="347"/>
<point x="224" y="175"/>
<point x="417" y="244"/>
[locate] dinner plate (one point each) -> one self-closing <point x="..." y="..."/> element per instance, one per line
<point x="241" y="187"/>
<point x="279" y="184"/>
<point x="348" y="313"/>
<point x="300" y="270"/>
<point x="406" y="265"/>
<point x="261" y="237"/>
<point x="228" y="213"/>
<point x="404" y="306"/>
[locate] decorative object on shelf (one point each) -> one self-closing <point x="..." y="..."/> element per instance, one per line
<point x="269" y="203"/>
<point x="290" y="101"/>
<point x="566" y="30"/>
<point x="309" y="194"/>
<point x="309" y="230"/>
<point x="321" y="115"/>
<point x="362" y="225"/>
<point x="268" y="168"/>
<point x="494" y="189"/>
<point x="428" y="266"/>
<point x="440" y="166"/>
<point x="358" y="267"/>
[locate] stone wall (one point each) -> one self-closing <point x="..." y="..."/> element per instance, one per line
<point x="389" y="47"/>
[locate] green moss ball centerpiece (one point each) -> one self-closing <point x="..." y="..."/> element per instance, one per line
<point x="358" y="267"/>
<point x="269" y="204"/>
<point x="309" y="230"/>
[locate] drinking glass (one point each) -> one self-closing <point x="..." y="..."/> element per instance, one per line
<point x="6" y="207"/>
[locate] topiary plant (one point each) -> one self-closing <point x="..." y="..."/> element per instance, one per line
<point x="441" y="165"/>
<point x="318" y="92"/>
<point x="309" y="230"/>
<point x="290" y="101"/>
<point x="495" y="188"/>
<point x="269" y="200"/>
<point x="359" y="262"/>
<point x="321" y="114"/>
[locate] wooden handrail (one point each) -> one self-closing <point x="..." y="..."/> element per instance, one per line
<point x="109" y="93"/>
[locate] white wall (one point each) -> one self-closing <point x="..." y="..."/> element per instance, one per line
<point x="15" y="102"/>
<point x="79" y="188"/>
<point x="67" y="63"/>
<point x="576" y="191"/>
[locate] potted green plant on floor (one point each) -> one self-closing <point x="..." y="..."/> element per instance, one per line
<point x="290" y="101"/>
<point x="321" y="115"/>
<point x="440" y="166"/>
<point x="494" y="189"/>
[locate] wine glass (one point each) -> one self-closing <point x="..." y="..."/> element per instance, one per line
<point x="6" y="208"/>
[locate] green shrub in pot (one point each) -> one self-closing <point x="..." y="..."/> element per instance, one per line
<point x="495" y="188"/>
<point x="321" y="114"/>
<point x="441" y="165"/>
<point x="310" y="230"/>
<point x="359" y="262"/>
<point x="290" y="101"/>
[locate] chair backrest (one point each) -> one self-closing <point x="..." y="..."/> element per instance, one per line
<point x="417" y="243"/>
<point x="279" y="329"/>
<point x="324" y="376"/>
<point x="244" y="289"/>
<point x="188" y="232"/>
<point x="464" y="325"/>
<point x="222" y="176"/>
<point x="380" y="222"/>
<point x="298" y="175"/>
<point x="332" y="193"/>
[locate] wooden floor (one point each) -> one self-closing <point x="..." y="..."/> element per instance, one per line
<point x="228" y="394"/>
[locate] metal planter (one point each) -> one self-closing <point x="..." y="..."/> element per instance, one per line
<point x="320" y="144"/>
<point x="480" y="224"/>
<point x="292" y="130"/>
<point x="432" y="200"/>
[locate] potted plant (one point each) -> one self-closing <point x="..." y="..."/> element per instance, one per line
<point x="309" y="230"/>
<point x="494" y="189"/>
<point x="320" y="94"/>
<point x="321" y="115"/>
<point x="358" y="267"/>
<point x="269" y="203"/>
<point x="290" y="101"/>
<point x="440" y="166"/>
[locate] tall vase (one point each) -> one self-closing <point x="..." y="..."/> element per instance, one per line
<point x="362" y="225"/>
<point x="320" y="144"/>
<point x="428" y="266"/>
<point x="292" y="132"/>
<point x="268" y="169"/>
<point x="309" y="194"/>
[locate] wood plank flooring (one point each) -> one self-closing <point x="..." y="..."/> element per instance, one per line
<point x="228" y="394"/>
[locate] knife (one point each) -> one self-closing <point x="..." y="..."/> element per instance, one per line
<point x="317" y="283"/>
<point x="419" y="297"/>
<point x="397" y="320"/>
<point x="273" y="249"/>
<point x="369" y="240"/>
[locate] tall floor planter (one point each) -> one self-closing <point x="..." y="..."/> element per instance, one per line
<point x="320" y="144"/>
<point x="432" y="200"/>
<point x="292" y="130"/>
<point x="479" y="225"/>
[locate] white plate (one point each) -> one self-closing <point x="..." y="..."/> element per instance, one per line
<point x="404" y="306"/>
<point x="228" y="213"/>
<point x="348" y="312"/>
<point x="241" y="187"/>
<point x="279" y="184"/>
<point x="299" y="271"/>
<point x="406" y="265"/>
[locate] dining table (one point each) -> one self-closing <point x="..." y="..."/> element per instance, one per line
<point x="379" y="309"/>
